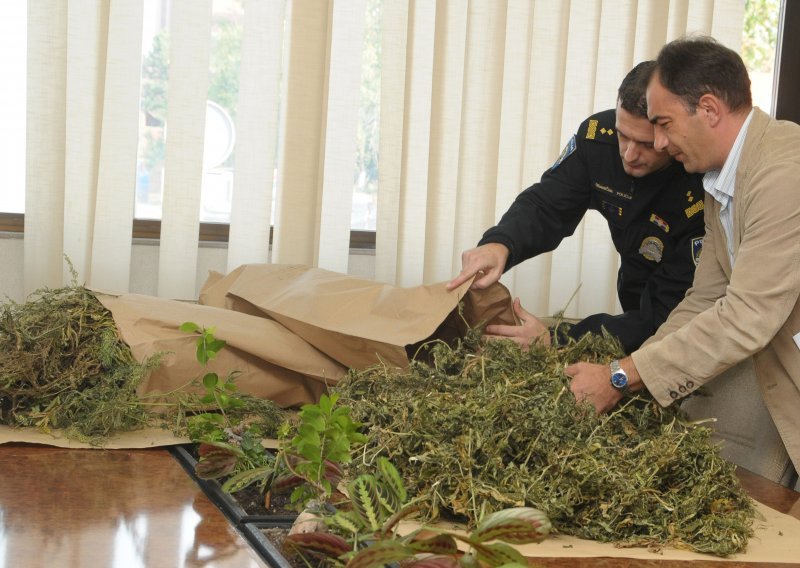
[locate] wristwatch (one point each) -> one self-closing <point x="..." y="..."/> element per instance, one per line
<point x="619" y="379"/>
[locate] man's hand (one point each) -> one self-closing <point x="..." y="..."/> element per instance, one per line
<point x="531" y="329"/>
<point x="486" y="261"/>
<point x="592" y="383"/>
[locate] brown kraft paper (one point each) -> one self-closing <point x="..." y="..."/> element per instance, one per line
<point x="358" y="323"/>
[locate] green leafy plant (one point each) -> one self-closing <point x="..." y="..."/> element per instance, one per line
<point x="227" y="444"/>
<point x="308" y="463"/>
<point x="362" y="533"/>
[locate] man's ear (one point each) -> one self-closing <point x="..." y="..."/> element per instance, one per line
<point x="710" y="107"/>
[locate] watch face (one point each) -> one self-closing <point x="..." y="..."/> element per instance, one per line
<point x="619" y="380"/>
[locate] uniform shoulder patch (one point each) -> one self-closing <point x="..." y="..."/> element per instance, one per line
<point x="565" y="153"/>
<point x="697" y="248"/>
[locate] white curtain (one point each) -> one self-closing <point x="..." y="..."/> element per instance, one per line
<point x="477" y="99"/>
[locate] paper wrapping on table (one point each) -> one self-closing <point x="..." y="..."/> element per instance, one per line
<point x="358" y="323"/>
<point x="776" y="540"/>
<point x="272" y="362"/>
<point x="290" y="330"/>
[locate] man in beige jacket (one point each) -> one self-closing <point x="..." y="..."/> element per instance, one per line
<point x="744" y="298"/>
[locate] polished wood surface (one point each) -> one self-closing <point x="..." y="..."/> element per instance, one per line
<point x="62" y="508"/>
<point x="138" y="508"/>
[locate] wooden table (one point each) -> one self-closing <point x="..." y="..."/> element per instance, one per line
<point x="138" y="508"/>
<point x="62" y="508"/>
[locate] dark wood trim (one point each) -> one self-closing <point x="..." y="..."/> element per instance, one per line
<point x="787" y="64"/>
<point x="12" y="222"/>
<point x="209" y="232"/>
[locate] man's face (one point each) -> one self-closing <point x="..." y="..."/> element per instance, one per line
<point x="635" y="135"/>
<point x="685" y="136"/>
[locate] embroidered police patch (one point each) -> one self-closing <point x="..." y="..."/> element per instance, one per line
<point x="568" y="149"/>
<point x="652" y="249"/>
<point x="697" y="248"/>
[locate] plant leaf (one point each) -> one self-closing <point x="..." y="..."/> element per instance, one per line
<point x="516" y="525"/>
<point x="246" y="478"/>
<point x="210" y="380"/>
<point x="381" y="553"/>
<point x="391" y="477"/>
<point x="498" y="553"/>
<point x="434" y="562"/>
<point x="322" y="543"/>
<point x="439" y="544"/>
<point x="215" y="463"/>
<point x="215" y="346"/>
<point x="347" y="521"/>
<point x="189" y="327"/>
<point x="364" y="493"/>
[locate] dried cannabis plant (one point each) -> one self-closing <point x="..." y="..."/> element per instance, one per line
<point x="485" y="427"/>
<point x="63" y="366"/>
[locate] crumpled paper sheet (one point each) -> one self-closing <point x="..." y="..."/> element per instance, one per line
<point x="291" y="331"/>
<point x="776" y="539"/>
<point x="356" y="322"/>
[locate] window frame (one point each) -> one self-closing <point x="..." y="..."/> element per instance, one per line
<point x="14" y="223"/>
<point x="787" y="106"/>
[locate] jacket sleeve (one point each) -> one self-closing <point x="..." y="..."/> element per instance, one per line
<point x="662" y="293"/>
<point x="545" y="213"/>
<point x="705" y="336"/>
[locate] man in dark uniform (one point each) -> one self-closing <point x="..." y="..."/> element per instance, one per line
<point x="653" y="207"/>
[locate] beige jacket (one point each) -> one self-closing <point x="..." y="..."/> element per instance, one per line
<point x="752" y="309"/>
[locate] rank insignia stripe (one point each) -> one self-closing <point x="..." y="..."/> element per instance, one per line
<point x="659" y="222"/>
<point x="652" y="248"/>
<point x="694" y="209"/>
<point x="591" y="130"/>
<point x="566" y="152"/>
<point x="697" y="248"/>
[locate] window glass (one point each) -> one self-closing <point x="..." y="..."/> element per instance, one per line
<point x="223" y="90"/>
<point x="759" y="40"/>
<point x="218" y="159"/>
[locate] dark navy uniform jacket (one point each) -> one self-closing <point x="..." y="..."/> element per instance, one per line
<point x="656" y="223"/>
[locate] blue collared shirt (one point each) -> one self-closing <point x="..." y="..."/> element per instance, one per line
<point x="720" y="184"/>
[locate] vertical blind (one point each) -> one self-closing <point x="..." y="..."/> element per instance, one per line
<point x="477" y="99"/>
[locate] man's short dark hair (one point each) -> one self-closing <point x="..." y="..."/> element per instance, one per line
<point x="632" y="90"/>
<point x="691" y="67"/>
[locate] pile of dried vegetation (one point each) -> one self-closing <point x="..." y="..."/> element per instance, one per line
<point x="63" y="366"/>
<point x="485" y="427"/>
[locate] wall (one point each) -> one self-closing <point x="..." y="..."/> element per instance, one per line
<point x="144" y="265"/>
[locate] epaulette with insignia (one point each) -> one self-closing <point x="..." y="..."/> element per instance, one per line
<point x="600" y="127"/>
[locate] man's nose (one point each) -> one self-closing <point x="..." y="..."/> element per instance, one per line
<point x="631" y="152"/>
<point x="660" y="142"/>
